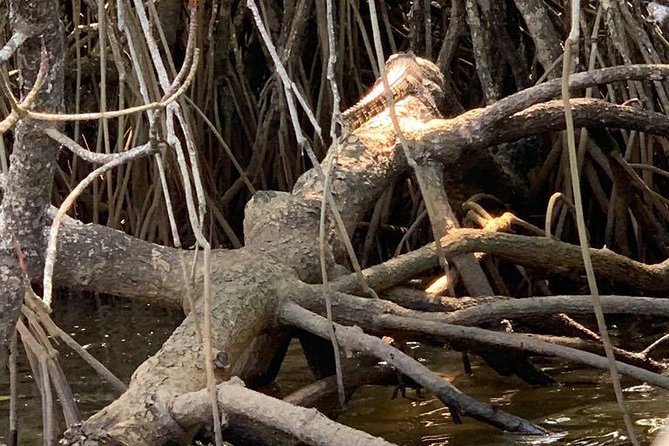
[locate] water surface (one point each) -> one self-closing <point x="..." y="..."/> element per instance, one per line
<point x="581" y="409"/>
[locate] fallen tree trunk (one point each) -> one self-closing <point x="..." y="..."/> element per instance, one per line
<point x="281" y="233"/>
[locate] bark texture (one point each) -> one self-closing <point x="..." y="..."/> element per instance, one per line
<point x="33" y="160"/>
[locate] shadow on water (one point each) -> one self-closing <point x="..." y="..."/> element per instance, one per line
<point x="581" y="408"/>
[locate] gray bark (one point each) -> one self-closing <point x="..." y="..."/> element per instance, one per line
<point x="33" y="160"/>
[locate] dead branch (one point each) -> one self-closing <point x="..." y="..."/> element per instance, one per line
<point x="255" y="410"/>
<point x="373" y="314"/>
<point x="517" y="102"/>
<point x="638" y="359"/>
<point x="536" y="306"/>
<point x="451" y="140"/>
<point x="517" y="341"/>
<point x="534" y="252"/>
<point x="355" y="339"/>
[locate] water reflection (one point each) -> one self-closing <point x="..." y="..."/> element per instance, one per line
<point x="119" y="334"/>
<point x="581" y="409"/>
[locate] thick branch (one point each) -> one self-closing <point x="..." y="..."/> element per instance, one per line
<point x="280" y="231"/>
<point x="534" y="252"/>
<point x="548" y="90"/>
<point x="354" y="338"/>
<point x="536" y="306"/>
<point x="515" y="341"/>
<point x="243" y="306"/>
<point x="94" y="257"/>
<point x="372" y="314"/>
<point x="452" y="141"/>
<point x="255" y="410"/>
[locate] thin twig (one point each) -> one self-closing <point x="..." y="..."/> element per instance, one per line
<point x="570" y="44"/>
<point x="50" y="260"/>
<point x="332" y="58"/>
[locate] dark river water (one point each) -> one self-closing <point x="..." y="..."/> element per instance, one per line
<point x="581" y="410"/>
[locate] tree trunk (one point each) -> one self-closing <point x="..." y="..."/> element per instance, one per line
<point x="33" y="160"/>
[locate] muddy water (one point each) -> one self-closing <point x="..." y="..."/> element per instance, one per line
<point x="581" y="410"/>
